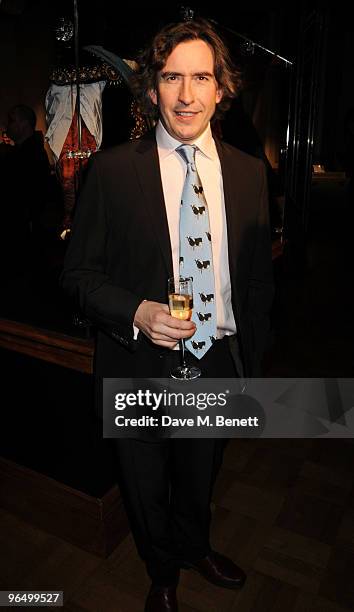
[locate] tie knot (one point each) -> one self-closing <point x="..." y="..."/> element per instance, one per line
<point x="187" y="152"/>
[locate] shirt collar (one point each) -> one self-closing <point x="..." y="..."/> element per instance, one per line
<point x="167" y="144"/>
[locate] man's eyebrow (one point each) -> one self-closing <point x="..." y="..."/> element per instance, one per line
<point x="170" y="73"/>
<point x="173" y="73"/>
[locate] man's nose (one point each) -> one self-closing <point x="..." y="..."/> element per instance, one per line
<point x="186" y="95"/>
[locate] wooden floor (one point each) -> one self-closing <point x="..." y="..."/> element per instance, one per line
<point x="283" y="509"/>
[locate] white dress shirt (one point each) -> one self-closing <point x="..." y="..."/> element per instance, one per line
<point x="173" y="172"/>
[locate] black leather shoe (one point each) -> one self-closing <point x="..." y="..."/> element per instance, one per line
<point x="161" y="599"/>
<point x="219" y="570"/>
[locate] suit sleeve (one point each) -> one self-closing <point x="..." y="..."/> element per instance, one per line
<point x="261" y="287"/>
<point x="84" y="277"/>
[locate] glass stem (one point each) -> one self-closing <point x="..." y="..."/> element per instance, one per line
<point x="183" y="361"/>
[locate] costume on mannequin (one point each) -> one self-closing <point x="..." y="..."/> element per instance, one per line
<point x="62" y="116"/>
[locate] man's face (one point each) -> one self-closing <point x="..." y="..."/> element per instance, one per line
<point x="16" y="127"/>
<point x="187" y="91"/>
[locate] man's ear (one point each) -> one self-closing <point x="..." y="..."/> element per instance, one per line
<point x="153" y="96"/>
<point x="219" y="95"/>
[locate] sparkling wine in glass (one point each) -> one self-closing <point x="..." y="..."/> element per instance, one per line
<point x="180" y="300"/>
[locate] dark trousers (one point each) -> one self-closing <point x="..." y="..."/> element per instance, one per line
<point x="167" y="485"/>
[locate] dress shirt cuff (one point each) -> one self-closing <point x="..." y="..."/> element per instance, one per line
<point x="136" y="330"/>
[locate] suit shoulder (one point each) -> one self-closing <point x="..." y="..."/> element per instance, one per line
<point x="240" y="157"/>
<point x="116" y="153"/>
<point x="126" y="150"/>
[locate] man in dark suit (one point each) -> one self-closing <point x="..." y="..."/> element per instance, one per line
<point x="125" y="245"/>
<point x="24" y="179"/>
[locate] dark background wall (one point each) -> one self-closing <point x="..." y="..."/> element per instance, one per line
<point x="338" y="87"/>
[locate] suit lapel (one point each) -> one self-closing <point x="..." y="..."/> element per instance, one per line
<point x="230" y="174"/>
<point x="147" y="167"/>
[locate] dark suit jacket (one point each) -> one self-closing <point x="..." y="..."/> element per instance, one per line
<point x="120" y="253"/>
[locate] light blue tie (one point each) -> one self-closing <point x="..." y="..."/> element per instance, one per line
<point x="196" y="256"/>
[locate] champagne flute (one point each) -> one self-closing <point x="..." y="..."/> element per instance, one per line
<point x="180" y="300"/>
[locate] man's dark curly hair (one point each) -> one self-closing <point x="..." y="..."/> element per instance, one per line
<point x="153" y="59"/>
